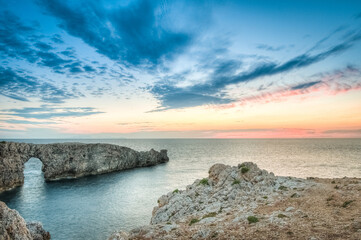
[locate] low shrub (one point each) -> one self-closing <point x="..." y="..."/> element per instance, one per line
<point x="211" y="214"/>
<point x="252" y="219"/>
<point x="236" y="181"/>
<point x="345" y="204"/>
<point x="193" y="221"/>
<point x="244" y="170"/>
<point x="204" y="181"/>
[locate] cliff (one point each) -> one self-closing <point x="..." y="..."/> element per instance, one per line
<point x="245" y="202"/>
<point x="70" y="160"/>
<point x="14" y="227"/>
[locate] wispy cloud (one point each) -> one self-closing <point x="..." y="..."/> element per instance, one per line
<point x="343" y="131"/>
<point x="16" y="121"/>
<point x="229" y="73"/>
<point x="270" y="48"/>
<point x="20" y="86"/>
<point x="333" y="83"/>
<point x="49" y="112"/>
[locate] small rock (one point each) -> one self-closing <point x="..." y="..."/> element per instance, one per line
<point x="289" y="209"/>
<point x="119" y="236"/>
<point x="356" y="225"/>
<point x="37" y="231"/>
<point x="170" y="227"/>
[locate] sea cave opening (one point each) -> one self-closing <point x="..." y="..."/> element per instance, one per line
<point x="33" y="173"/>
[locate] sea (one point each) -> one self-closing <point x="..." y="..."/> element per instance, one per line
<point x="94" y="207"/>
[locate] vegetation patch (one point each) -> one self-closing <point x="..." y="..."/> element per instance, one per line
<point x="337" y="187"/>
<point x="242" y="165"/>
<point x="265" y="197"/>
<point x="283" y="188"/>
<point x="244" y="170"/>
<point x="204" y="181"/>
<point x="176" y="191"/>
<point x="252" y="219"/>
<point x="211" y="214"/>
<point x="281" y="215"/>
<point x="333" y="182"/>
<point x="193" y="221"/>
<point x="236" y="181"/>
<point x="345" y="204"/>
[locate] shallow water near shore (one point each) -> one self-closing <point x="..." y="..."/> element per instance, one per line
<point x="94" y="207"/>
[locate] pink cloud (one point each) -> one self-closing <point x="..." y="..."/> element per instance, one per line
<point x="340" y="81"/>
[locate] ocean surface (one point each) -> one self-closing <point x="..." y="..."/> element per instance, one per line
<point x="94" y="207"/>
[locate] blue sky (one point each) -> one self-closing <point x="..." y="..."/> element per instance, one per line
<point x="173" y="68"/>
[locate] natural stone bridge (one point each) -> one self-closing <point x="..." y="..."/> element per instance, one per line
<point x="70" y="160"/>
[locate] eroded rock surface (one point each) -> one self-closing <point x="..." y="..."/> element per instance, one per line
<point x="70" y="160"/>
<point x="14" y="227"/>
<point x="245" y="202"/>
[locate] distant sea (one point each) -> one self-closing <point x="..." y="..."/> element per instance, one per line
<point x="94" y="207"/>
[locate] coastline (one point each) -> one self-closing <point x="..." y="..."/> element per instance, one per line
<point x="245" y="202"/>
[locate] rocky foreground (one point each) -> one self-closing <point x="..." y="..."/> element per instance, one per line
<point x="14" y="227"/>
<point x="70" y="160"/>
<point x="245" y="202"/>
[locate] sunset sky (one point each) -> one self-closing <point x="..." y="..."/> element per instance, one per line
<point x="180" y="69"/>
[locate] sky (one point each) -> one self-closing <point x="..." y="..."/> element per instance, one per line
<point x="180" y="69"/>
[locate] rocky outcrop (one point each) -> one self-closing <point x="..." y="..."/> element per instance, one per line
<point x="70" y="160"/>
<point x="37" y="231"/>
<point x="14" y="227"/>
<point x="245" y="202"/>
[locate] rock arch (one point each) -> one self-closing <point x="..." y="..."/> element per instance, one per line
<point x="70" y="160"/>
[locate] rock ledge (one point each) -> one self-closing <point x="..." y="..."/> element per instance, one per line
<point x="245" y="202"/>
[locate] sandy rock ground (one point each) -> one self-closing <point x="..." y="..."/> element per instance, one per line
<point x="245" y="202"/>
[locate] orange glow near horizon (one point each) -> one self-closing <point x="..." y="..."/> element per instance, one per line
<point x="296" y="116"/>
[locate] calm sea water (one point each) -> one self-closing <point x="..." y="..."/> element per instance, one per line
<point x="93" y="207"/>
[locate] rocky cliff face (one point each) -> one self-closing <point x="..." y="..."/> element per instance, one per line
<point x="70" y="160"/>
<point x="245" y="202"/>
<point x="14" y="227"/>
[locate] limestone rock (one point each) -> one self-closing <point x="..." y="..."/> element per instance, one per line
<point x="70" y="160"/>
<point x="14" y="227"/>
<point x="245" y="202"/>
<point x="119" y="236"/>
<point x="37" y="231"/>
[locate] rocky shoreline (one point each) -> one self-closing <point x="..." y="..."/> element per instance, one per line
<point x="14" y="227"/>
<point x="70" y="160"/>
<point x="245" y="202"/>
